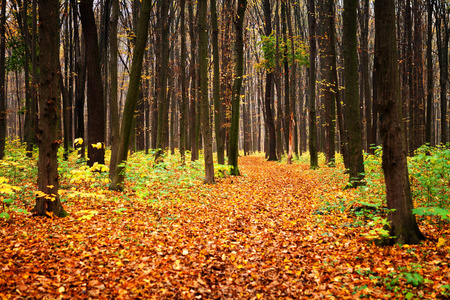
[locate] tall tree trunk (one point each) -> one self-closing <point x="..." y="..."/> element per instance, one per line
<point x="218" y="105"/>
<point x="95" y="105"/>
<point x="331" y="88"/>
<point x="237" y="85"/>
<point x="268" y="98"/>
<point x="353" y="119"/>
<point x="398" y="193"/>
<point x="430" y="79"/>
<point x="203" y="74"/>
<point x="30" y="135"/>
<point x="163" y="77"/>
<point x="287" y="106"/>
<point x="193" y="91"/>
<point x="183" y="106"/>
<point x="312" y="85"/>
<point x="132" y="95"/>
<point x="47" y="199"/>
<point x="2" y="80"/>
<point x="113" y="93"/>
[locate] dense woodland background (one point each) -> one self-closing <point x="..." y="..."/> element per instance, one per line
<point x="169" y="90"/>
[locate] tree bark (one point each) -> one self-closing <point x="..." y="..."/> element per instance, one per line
<point x="312" y="85"/>
<point x="203" y="74"/>
<point x="132" y="96"/>
<point x="2" y="80"/>
<point x="404" y="228"/>
<point x="95" y="104"/>
<point x="268" y="98"/>
<point x="183" y="106"/>
<point x="351" y="93"/>
<point x="47" y="200"/>
<point x="113" y="93"/>
<point x="430" y="79"/>
<point x="237" y="85"/>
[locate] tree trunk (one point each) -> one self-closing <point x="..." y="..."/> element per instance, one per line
<point x="47" y="199"/>
<point x="331" y="87"/>
<point x="312" y="85"/>
<point x="95" y="105"/>
<point x="193" y="137"/>
<point x="30" y="134"/>
<point x="351" y="94"/>
<point x="404" y="228"/>
<point x="430" y="79"/>
<point x="203" y="74"/>
<point x="268" y="98"/>
<point x="183" y="106"/>
<point x="237" y="85"/>
<point x="2" y="80"/>
<point x="163" y="77"/>
<point x="132" y="95"/>
<point x="113" y="93"/>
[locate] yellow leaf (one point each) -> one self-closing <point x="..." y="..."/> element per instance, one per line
<point x="440" y="243"/>
<point x="240" y="266"/>
<point x="177" y="265"/>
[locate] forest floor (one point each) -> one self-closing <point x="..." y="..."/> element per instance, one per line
<point x="273" y="233"/>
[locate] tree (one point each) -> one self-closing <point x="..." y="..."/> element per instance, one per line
<point x="95" y="105"/>
<point x="331" y="87"/>
<point x="353" y="119"/>
<point x="113" y="104"/>
<point x="312" y="85"/>
<point x="47" y="199"/>
<point x="163" y="64"/>
<point x="2" y="80"/>
<point x="268" y="98"/>
<point x="404" y="228"/>
<point x="132" y="96"/>
<point x="237" y="85"/>
<point x="183" y="106"/>
<point x="203" y="73"/>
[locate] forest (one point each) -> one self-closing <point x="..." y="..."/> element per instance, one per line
<point x="224" y="149"/>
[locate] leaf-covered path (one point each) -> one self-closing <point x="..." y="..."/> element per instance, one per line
<point x="259" y="236"/>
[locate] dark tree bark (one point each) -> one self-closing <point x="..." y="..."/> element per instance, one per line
<point x="218" y="105"/>
<point x="203" y="74"/>
<point x="2" y="80"/>
<point x="364" y="17"/>
<point x="331" y="87"/>
<point x="113" y="93"/>
<point x="287" y="106"/>
<point x="268" y="98"/>
<point x="29" y="126"/>
<point x="353" y="119"/>
<point x="237" y="85"/>
<point x="183" y="106"/>
<point x="398" y="194"/>
<point x="47" y="200"/>
<point x="312" y="85"/>
<point x="95" y="104"/>
<point x="163" y="77"/>
<point x="430" y="79"/>
<point x="442" y="37"/>
<point x="80" y="82"/>
<point x="193" y="133"/>
<point x="132" y="96"/>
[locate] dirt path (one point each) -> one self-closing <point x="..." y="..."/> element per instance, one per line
<point x="259" y="236"/>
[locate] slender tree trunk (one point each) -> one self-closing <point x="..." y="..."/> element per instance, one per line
<point x="430" y="80"/>
<point x="193" y="111"/>
<point x="163" y="77"/>
<point x="113" y="93"/>
<point x="330" y="89"/>
<point x="218" y="106"/>
<point x="268" y="99"/>
<point x="312" y="85"/>
<point x="132" y="95"/>
<point x="239" y="72"/>
<point x="2" y="80"/>
<point x="95" y="105"/>
<point x="203" y="74"/>
<point x="47" y="200"/>
<point x="183" y="106"/>
<point x="353" y="119"/>
<point x="404" y="228"/>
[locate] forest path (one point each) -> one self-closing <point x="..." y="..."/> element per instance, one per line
<point x="264" y="235"/>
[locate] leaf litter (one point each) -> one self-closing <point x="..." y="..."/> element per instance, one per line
<point x="258" y="236"/>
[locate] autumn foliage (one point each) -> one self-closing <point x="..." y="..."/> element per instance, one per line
<point x="278" y="231"/>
